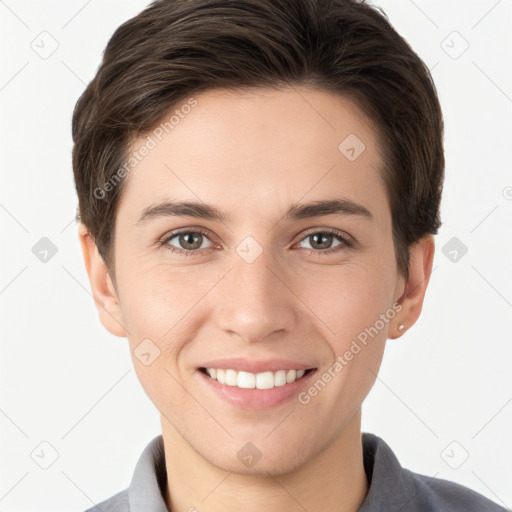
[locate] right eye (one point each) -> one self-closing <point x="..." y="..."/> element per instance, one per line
<point x="189" y="241"/>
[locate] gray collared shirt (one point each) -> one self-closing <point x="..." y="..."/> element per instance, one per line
<point x="392" y="488"/>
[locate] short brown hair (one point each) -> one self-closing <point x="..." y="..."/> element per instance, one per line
<point x="176" y="48"/>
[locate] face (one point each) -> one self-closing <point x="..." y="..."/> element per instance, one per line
<point x="267" y="285"/>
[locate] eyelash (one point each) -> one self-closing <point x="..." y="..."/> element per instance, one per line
<point x="345" y="242"/>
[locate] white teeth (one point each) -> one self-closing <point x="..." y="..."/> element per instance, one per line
<point x="231" y="378"/>
<point x="248" y="380"/>
<point x="280" y="378"/>
<point x="212" y="372"/>
<point x="291" y="376"/>
<point x="265" y="380"/>
<point x="221" y="376"/>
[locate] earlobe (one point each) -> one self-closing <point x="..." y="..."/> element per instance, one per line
<point x="103" y="290"/>
<point x="420" y="269"/>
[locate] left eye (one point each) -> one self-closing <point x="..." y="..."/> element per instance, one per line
<point x="323" y="240"/>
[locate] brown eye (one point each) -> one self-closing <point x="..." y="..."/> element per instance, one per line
<point x="321" y="242"/>
<point x="190" y="241"/>
<point x="186" y="242"/>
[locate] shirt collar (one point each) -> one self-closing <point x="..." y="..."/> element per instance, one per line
<point x="390" y="487"/>
<point x="147" y="488"/>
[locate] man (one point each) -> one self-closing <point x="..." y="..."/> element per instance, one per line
<point x="259" y="186"/>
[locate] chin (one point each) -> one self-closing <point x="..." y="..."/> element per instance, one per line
<point x="248" y="460"/>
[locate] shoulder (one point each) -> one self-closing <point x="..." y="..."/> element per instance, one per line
<point x="439" y="494"/>
<point x="394" y="488"/>
<point x="117" y="503"/>
<point x="145" y="492"/>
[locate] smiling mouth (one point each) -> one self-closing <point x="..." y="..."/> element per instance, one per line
<point x="248" y="380"/>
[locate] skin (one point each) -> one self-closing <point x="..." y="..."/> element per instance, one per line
<point x="252" y="154"/>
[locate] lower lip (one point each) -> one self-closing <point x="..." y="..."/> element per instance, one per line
<point x="257" y="398"/>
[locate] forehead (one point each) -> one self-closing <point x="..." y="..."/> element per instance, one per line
<point x="252" y="148"/>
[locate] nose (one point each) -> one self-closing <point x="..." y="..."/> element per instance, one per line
<point x="257" y="300"/>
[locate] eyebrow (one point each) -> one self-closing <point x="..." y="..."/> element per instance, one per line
<point x="320" y="208"/>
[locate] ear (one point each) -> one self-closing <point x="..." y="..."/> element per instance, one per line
<point x="421" y="256"/>
<point x="103" y="290"/>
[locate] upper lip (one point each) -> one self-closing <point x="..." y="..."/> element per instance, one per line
<point x="256" y="366"/>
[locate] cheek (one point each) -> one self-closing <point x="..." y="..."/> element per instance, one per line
<point x="164" y="386"/>
<point x="346" y="299"/>
<point x="355" y="333"/>
<point x="165" y="312"/>
<point x="359" y="311"/>
<point x="157" y="298"/>
<point x="353" y="307"/>
<point x="161" y="303"/>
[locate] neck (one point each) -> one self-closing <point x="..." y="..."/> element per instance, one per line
<point x="333" y="480"/>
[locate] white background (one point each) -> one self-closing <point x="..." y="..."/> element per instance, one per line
<point x="67" y="381"/>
